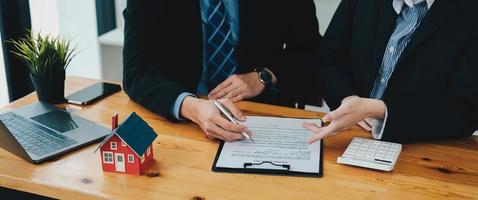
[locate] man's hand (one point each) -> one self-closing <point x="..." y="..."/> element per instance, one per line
<point x="238" y="87"/>
<point x="352" y="111"/>
<point x="208" y="117"/>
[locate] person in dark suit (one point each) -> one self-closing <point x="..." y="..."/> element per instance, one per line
<point x="177" y="50"/>
<point x="405" y="70"/>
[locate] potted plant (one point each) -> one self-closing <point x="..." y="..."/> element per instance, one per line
<point x="47" y="58"/>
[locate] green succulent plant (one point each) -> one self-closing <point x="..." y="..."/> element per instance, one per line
<point x="46" y="56"/>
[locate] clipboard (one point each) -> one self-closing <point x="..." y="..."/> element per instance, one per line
<point x="279" y="172"/>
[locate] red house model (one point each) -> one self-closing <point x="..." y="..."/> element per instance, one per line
<point x="128" y="149"/>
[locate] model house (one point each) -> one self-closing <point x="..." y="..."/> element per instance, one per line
<point x="128" y="149"/>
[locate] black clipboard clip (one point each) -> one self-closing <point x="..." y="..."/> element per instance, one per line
<point x="250" y="164"/>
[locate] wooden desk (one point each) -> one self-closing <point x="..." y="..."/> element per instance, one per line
<point x="447" y="169"/>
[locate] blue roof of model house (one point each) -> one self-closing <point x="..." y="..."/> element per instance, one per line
<point x="135" y="132"/>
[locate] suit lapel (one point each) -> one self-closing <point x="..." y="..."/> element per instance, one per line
<point x="242" y="17"/>
<point x="245" y="13"/>
<point x="437" y="15"/>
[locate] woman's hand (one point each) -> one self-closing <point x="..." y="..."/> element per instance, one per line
<point x="352" y="111"/>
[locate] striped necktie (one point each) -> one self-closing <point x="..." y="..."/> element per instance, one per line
<point x="407" y="23"/>
<point x="220" y="51"/>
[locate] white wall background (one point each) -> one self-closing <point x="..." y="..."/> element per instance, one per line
<point x="44" y="16"/>
<point x="74" y="20"/>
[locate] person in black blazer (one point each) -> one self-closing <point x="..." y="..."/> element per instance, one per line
<point x="170" y="47"/>
<point x="431" y="91"/>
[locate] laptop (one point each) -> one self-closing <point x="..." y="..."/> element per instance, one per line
<point x="40" y="131"/>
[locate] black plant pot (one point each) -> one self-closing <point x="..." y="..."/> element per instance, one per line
<point x="50" y="90"/>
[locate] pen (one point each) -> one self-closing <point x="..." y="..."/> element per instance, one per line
<point x="228" y="115"/>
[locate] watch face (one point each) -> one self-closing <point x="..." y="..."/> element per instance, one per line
<point x="266" y="77"/>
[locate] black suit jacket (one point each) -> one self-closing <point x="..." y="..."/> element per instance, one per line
<point x="433" y="92"/>
<point x="163" y="49"/>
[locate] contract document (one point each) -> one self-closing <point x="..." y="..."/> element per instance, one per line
<point x="280" y="148"/>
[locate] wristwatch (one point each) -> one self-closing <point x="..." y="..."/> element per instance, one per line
<point x="266" y="77"/>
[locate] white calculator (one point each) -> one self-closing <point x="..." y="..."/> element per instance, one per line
<point x="372" y="154"/>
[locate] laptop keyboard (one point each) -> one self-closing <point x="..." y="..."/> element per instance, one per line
<point x="34" y="138"/>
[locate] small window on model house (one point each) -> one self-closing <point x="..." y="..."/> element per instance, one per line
<point x="130" y="158"/>
<point x="108" y="157"/>
<point x="113" y="146"/>
<point x="148" y="151"/>
<point x="123" y="143"/>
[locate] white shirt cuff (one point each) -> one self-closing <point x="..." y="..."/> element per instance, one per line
<point x="378" y="126"/>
